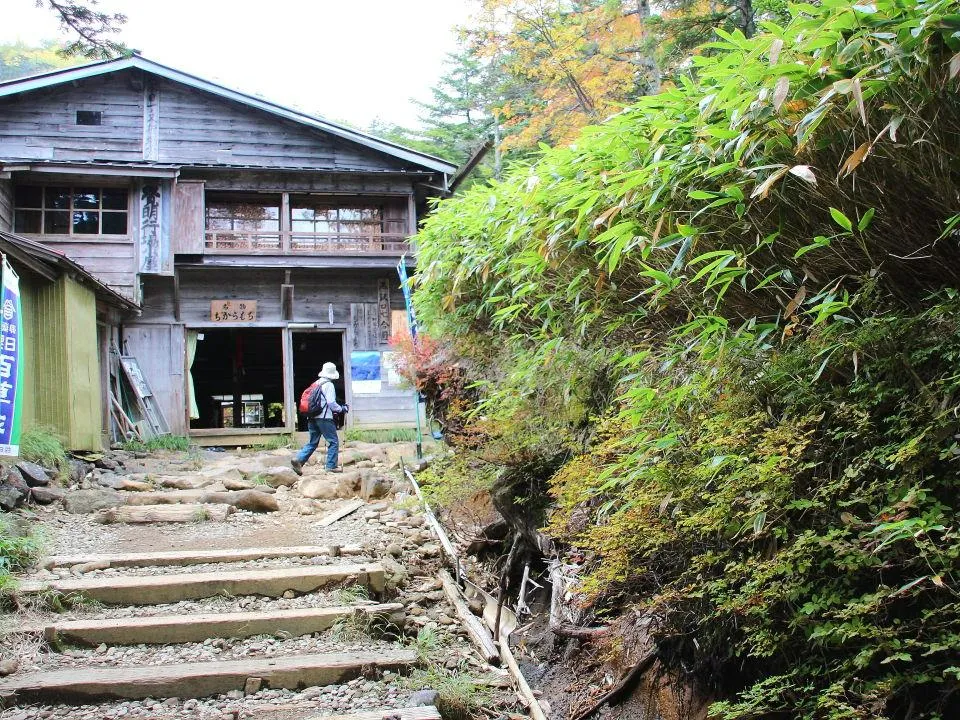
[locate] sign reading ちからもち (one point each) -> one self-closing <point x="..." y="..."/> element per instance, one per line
<point x="233" y="310"/>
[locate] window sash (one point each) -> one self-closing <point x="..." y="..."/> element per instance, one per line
<point x="76" y="210"/>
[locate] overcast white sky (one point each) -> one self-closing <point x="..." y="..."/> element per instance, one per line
<point x="352" y="60"/>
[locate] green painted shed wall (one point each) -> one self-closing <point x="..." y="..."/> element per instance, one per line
<point x="61" y="374"/>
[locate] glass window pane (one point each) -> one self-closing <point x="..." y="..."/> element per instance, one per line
<point x="86" y="223"/>
<point x="28" y="197"/>
<point x="214" y="223"/>
<point x="302" y="213"/>
<point x="326" y="226"/>
<point x="351" y="213"/>
<point x="115" y="198"/>
<point x="302" y="226"/>
<point x="114" y="223"/>
<point x="57" y="222"/>
<point x="370" y="213"/>
<point x="86" y="198"/>
<point x="57" y="198"/>
<point x="26" y="221"/>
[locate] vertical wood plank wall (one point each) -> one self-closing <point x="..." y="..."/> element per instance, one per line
<point x="159" y="350"/>
<point x="6" y="205"/>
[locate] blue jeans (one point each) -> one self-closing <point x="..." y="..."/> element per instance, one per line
<point x="326" y="429"/>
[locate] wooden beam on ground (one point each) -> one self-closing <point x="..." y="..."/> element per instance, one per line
<point x="475" y="627"/>
<point x="159" y="589"/>
<point x="341" y="512"/>
<point x="195" y="680"/>
<point x="434" y="523"/>
<point x="418" y="713"/>
<point x="536" y="712"/>
<point x="164" y="513"/>
<point x="200" y="557"/>
<point x="164" y="629"/>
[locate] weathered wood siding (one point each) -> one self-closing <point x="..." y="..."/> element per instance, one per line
<point x="6" y="205"/>
<point x="62" y="370"/>
<point x="197" y="127"/>
<point x="41" y="125"/>
<point x="186" y="234"/>
<point x="112" y="261"/>
<point x="159" y="350"/>
<point x="276" y="182"/>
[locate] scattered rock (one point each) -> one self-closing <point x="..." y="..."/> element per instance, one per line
<point x="221" y="474"/>
<point x="305" y="506"/>
<point x="185" y="482"/>
<point x="394" y="550"/>
<point x="14" y="479"/>
<point x="35" y="475"/>
<point x="9" y="666"/>
<point x="134" y="485"/>
<point x="79" y="470"/>
<point x="81" y="568"/>
<point x="349" y="484"/>
<point x="106" y="463"/>
<point x="81" y="502"/>
<point x="252" y="686"/>
<point x="241" y="484"/>
<point x="423" y="698"/>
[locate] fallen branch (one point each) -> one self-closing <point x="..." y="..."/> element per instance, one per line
<point x="622" y="689"/>
<point x="569" y="630"/>
<point x="475" y="627"/>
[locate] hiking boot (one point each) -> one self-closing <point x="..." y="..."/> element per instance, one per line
<point x="334" y="470"/>
<point x="297" y="466"/>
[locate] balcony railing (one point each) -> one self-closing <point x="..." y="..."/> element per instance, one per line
<point x="272" y="243"/>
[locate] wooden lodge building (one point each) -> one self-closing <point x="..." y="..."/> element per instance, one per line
<point x="241" y="243"/>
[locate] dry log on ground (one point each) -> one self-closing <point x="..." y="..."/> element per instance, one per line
<point x="252" y="500"/>
<point x="164" y="513"/>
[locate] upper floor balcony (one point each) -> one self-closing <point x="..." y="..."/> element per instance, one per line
<point x="306" y="225"/>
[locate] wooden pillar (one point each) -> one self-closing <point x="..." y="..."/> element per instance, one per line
<point x="285" y="222"/>
<point x="289" y="392"/>
<point x="411" y="218"/>
<point x="237" y="383"/>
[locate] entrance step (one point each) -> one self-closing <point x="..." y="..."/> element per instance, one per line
<point x="160" y="589"/>
<point x="164" y="629"/>
<point x="199" y="557"/>
<point x="419" y="713"/>
<point x="195" y="680"/>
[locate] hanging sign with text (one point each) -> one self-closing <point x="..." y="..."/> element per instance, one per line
<point x="11" y="362"/>
<point x="233" y="310"/>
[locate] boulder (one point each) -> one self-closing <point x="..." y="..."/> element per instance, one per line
<point x="305" y="506"/>
<point x="79" y="470"/>
<point x="14" y="479"/>
<point x="10" y="497"/>
<point x="252" y="500"/>
<point x="105" y="463"/>
<point x="81" y="502"/>
<point x="35" y="475"/>
<point x="319" y="487"/>
<point x="348" y="484"/>
<point x="424" y="698"/>
<point x="134" y="485"/>
<point x="373" y="485"/>
<point x="279" y="475"/>
<point x="47" y="495"/>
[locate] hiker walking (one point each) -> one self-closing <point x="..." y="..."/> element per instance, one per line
<point x="319" y="401"/>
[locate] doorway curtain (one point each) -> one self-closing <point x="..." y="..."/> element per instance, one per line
<point x="191" y="354"/>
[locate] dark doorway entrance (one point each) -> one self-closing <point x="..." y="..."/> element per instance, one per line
<point x="238" y="378"/>
<point x="311" y="349"/>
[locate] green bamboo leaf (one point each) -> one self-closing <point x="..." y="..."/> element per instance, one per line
<point x="841" y="219"/>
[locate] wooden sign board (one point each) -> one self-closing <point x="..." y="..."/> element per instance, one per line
<point x="233" y="310"/>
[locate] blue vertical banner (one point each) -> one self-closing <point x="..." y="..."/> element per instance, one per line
<point x="11" y="362"/>
<point x="405" y="286"/>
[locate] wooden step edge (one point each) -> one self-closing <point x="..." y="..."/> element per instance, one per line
<point x="197" y="557"/>
<point x="169" y="629"/>
<point x="196" y="680"/>
<point x="428" y="712"/>
<point x="161" y="589"/>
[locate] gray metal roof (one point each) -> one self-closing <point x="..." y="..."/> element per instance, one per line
<point x="57" y="77"/>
